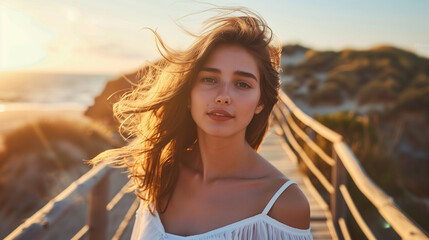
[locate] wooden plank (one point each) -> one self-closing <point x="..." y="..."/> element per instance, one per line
<point x="344" y="229"/>
<point x="355" y="213"/>
<point x="119" y="195"/>
<point x="337" y="205"/>
<point x="81" y="234"/>
<point x="97" y="214"/>
<point x="127" y="219"/>
<point x="327" y="159"/>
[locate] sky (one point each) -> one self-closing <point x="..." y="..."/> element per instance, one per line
<point x="108" y="37"/>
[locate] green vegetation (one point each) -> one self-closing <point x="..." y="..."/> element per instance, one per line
<point x="379" y="75"/>
<point x="289" y="88"/>
<point x="319" y="61"/>
<point x="416" y="96"/>
<point x="312" y="84"/>
<point x="292" y="49"/>
<point x="328" y="94"/>
<point x="364" y="141"/>
<point x="376" y="92"/>
<point x="402" y="176"/>
<point x="392" y="144"/>
<point x="347" y="80"/>
<point x="414" y="99"/>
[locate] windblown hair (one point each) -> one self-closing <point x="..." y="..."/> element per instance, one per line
<point x="155" y="114"/>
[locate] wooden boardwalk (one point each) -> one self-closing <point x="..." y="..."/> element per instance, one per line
<point x="272" y="150"/>
<point x="94" y="188"/>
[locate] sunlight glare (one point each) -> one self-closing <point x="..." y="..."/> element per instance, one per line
<point x="71" y="15"/>
<point x="23" y="39"/>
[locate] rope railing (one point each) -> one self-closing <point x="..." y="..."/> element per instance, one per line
<point x="342" y="163"/>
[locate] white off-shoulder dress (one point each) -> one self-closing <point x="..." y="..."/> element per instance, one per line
<point x="261" y="226"/>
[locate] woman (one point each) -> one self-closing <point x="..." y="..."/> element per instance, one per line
<point x="198" y="118"/>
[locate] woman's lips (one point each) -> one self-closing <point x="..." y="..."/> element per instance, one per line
<point x="220" y="115"/>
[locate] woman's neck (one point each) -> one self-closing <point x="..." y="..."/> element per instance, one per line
<point x="218" y="158"/>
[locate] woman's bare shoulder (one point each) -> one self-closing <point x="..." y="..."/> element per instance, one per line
<point x="292" y="208"/>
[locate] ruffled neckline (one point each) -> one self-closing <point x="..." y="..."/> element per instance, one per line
<point x="237" y="224"/>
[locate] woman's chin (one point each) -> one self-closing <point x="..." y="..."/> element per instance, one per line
<point x="219" y="132"/>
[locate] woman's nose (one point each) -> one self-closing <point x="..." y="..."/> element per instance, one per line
<point x="223" y="95"/>
<point x="222" y="99"/>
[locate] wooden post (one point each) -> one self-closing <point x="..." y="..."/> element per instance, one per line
<point x="338" y="207"/>
<point x="97" y="214"/>
<point x="312" y="134"/>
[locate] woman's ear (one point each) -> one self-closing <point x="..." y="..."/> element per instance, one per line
<point x="259" y="108"/>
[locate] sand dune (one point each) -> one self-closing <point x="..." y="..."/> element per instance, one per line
<point x="11" y="119"/>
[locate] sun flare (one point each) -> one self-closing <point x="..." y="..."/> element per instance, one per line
<point x="22" y="39"/>
<point x="72" y="15"/>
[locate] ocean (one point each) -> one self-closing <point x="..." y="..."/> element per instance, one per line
<point x="25" y="90"/>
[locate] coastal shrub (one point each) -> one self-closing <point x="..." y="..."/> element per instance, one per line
<point x="312" y="84"/>
<point x="365" y="143"/>
<point x="376" y="92"/>
<point x="329" y="93"/>
<point x="292" y="49"/>
<point x="347" y="80"/>
<point x="398" y="59"/>
<point x="381" y="62"/>
<point x="351" y="63"/>
<point x="398" y="78"/>
<point x="287" y="69"/>
<point x="421" y="80"/>
<point x="289" y="87"/>
<point x="347" y="54"/>
<point x="317" y="61"/>
<point x="301" y="75"/>
<point x="414" y="99"/>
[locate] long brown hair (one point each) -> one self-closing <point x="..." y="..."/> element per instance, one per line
<point x="155" y="113"/>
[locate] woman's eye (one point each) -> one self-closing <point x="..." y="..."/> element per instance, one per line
<point x="208" y="80"/>
<point x="243" y="85"/>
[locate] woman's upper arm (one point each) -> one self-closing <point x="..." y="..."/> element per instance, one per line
<point x="292" y="208"/>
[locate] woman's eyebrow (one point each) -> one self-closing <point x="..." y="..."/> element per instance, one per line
<point x="246" y="74"/>
<point x="209" y="69"/>
<point x="239" y="73"/>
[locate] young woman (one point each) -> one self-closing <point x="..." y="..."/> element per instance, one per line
<point x="197" y="119"/>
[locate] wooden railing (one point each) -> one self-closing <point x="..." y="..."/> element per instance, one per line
<point x="94" y="185"/>
<point x="341" y="162"/>
<point x="299" y="131"/>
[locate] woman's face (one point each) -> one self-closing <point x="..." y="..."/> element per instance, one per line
<point x="226" y="94"/>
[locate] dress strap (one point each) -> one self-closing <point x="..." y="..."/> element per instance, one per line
<point x="276" y="195"/>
